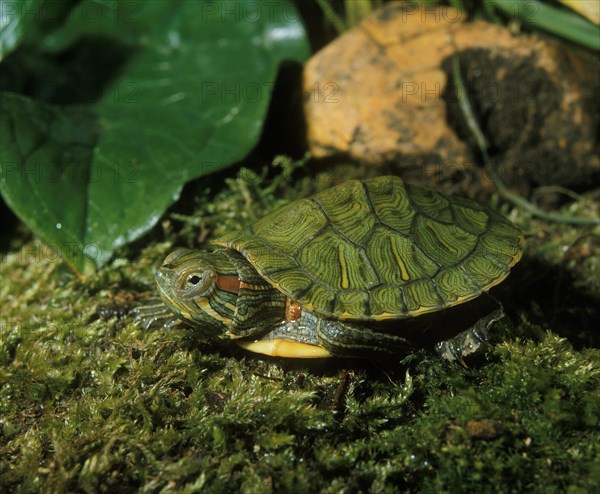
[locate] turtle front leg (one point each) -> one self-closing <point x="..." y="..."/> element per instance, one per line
<point x="311" y="336"/>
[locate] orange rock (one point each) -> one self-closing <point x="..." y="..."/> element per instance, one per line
<point x="382" y="94"/>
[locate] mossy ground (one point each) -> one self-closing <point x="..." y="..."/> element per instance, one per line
<point x="91" y="401"/>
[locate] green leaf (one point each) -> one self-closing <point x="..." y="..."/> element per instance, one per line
<point x="189" y="100"/>
<point x="28" y="20"/>
<point x="44" y="164"/>
<point x="560" y="22"/>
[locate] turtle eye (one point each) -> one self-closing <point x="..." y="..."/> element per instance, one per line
<point x="193" y="280"/>
<point x="195" y="283"/>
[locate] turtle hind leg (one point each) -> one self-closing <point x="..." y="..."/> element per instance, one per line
<point x="470" y="340"/>
<point x="344" y="339"/>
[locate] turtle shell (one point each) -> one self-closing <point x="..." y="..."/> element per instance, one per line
<point x="380" y="249"/>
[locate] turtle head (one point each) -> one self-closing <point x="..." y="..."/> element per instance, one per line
<point x="200" y="287"/>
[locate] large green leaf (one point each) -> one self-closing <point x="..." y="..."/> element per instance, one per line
<point x="44" y="159"/>
<point x="28" y="20"/>
<point x="190" y="99"/>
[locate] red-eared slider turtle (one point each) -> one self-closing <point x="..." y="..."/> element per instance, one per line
<point x="317" y="277"/>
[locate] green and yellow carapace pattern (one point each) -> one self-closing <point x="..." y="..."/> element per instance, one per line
<point x="380" y="249"/>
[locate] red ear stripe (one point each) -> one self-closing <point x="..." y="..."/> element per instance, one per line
<point x="228" y="282"/>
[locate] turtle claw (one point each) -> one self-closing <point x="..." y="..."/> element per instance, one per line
<point x="154" y="314"/>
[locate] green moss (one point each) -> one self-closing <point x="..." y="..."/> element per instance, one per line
<point x="91" y="401"/>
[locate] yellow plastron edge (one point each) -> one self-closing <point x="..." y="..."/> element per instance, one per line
<point x="285" y="348"/>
